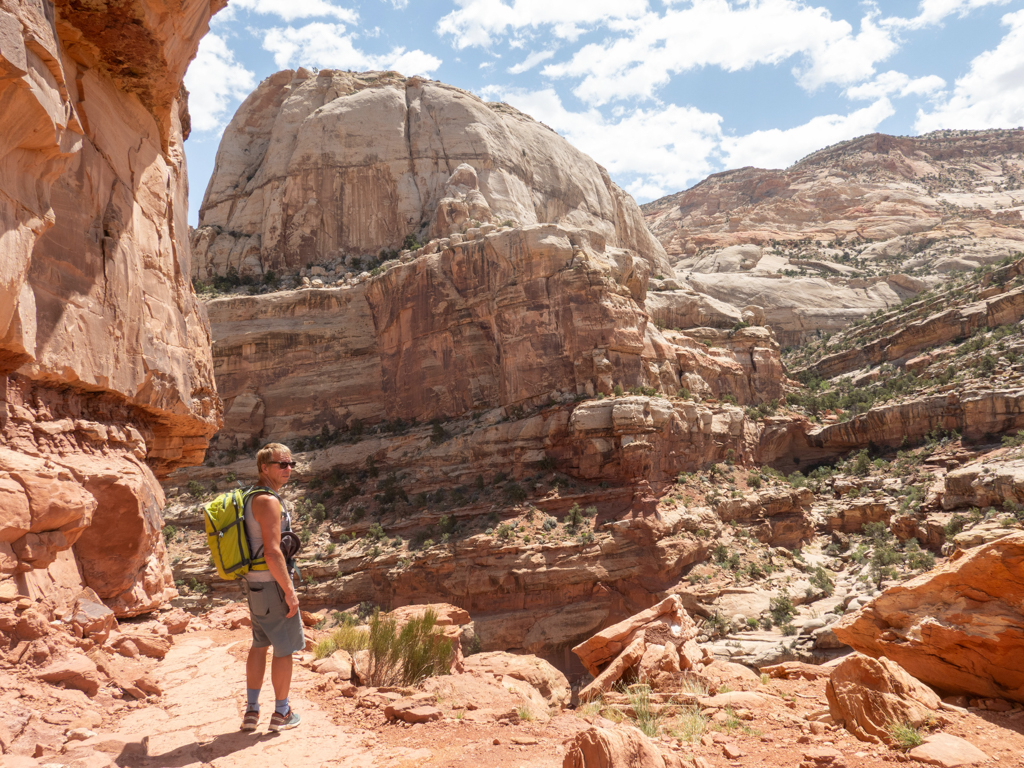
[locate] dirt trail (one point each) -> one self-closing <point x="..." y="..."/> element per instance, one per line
<point x="197" y="721"/>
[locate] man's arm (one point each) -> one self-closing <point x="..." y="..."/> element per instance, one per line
<point x="267" y="511"/>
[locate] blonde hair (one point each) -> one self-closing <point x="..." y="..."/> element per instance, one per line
<point x="266" y="454"/>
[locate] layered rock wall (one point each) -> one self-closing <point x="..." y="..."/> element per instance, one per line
<point x="517" y="318"/>
<point x="106" y="379"/>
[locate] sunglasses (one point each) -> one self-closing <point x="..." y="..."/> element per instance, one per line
<point x="286" y="464"/>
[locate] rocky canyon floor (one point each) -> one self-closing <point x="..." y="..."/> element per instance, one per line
<point x="194" y="721"/>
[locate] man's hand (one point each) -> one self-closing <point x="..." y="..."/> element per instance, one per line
<point x="292" y="601"/>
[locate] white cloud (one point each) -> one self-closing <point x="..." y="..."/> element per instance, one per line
<point x="732" y="37"/>
<point x="935" y="11"/>
<point x="991" y="94"/>
<point x="324" y="44"/>
<point x="775" y="148"/>
<point x="845" y="59"/>
<point x="215" y="80"/>
<point x="415" y="62"/>
<point x="289" y="10"/>
<point x="530" y="62"/>
<point x="667" y="149"/>
<point x="398" y="4"/>
<point x="479" y="22"/>
<point x="894" y="83"/>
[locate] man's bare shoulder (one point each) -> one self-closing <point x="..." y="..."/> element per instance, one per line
<point x="266" y="504"/>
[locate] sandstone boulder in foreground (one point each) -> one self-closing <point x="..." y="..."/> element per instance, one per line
<point x="659" y="640"/>
<point x="869" y="696"/>
<point x="551" y="683"/>
<point x="948" y="751"/>
<point x="958" y="628"/>
<point x="621" y="747"/>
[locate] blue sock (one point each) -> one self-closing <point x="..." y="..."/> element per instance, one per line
<point x="281" y="706"/>
<point x="252" y="696"/>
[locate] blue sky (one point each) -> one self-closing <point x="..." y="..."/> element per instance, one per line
<point x="660" y="92"/>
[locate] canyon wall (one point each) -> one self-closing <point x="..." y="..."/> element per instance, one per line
<point x="516" y="319"/>
<point x="521" y="278"/>
<point x="106" y="377"/>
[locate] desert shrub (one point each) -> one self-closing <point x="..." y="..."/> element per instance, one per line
<point x="781" y="608"/>
<point x="504" y="532"/>
<point x="515" y="493"/>
<point x="883" y="562"/>
<point x="877" y="532"/>
<point x="574" y="519"/>
<point x="918" y="559"/>
<point x="406" y="656"/>
<point x="905" y="735"/>
<point x="550" y="524"/>
<point x="754" y="481"/>
<point x="823" y="581"/>
<point x="955" y="524"/>
<point x="170" y="532"/>
<point x="862" y="464"/>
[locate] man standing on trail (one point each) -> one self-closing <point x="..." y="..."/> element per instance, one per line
<point x="273" y="603"/>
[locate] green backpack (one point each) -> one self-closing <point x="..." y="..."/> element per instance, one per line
<point x="226" y="535"/>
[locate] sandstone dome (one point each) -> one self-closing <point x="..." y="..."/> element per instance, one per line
<point x="319" y="167"/>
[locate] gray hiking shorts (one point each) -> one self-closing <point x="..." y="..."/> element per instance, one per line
<point x="270" y="625"/>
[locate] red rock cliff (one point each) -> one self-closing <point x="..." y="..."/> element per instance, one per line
<point x="106" y="377"/>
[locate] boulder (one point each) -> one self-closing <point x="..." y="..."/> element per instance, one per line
<point x="91" y="617"/>
<point x="619" y="747"/>
<point x="735" y="676"/>
<point x="447" y="615"/>
<point x="154" y="646"/>
<point x="32" y="625"/>
<point x="666" y="622"/>
<point x="484" y="699"/>
<point x="76" y="671"/>
<point x="607" y="677"/>
<point x="947" y="751"/>
<point x="361" y="667"/>
<point x="338" y="663"/>
<point x="549" y="682"/>
<point x="957" y="628"/>
<point x="870" y="695"/>
<point x="411" y="711"/>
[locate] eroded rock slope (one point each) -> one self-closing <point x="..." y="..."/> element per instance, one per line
<point x="848" y="230"/>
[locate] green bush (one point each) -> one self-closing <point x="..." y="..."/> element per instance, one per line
<point x="169" y="533"/>
<point x="407" y="656"/>
<point x="781" y="608"/>
<point x="905" y="736"/>
<point x="574" y="519"/>
<point x="823" y="581"/>
<point x="515" y="493"/>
